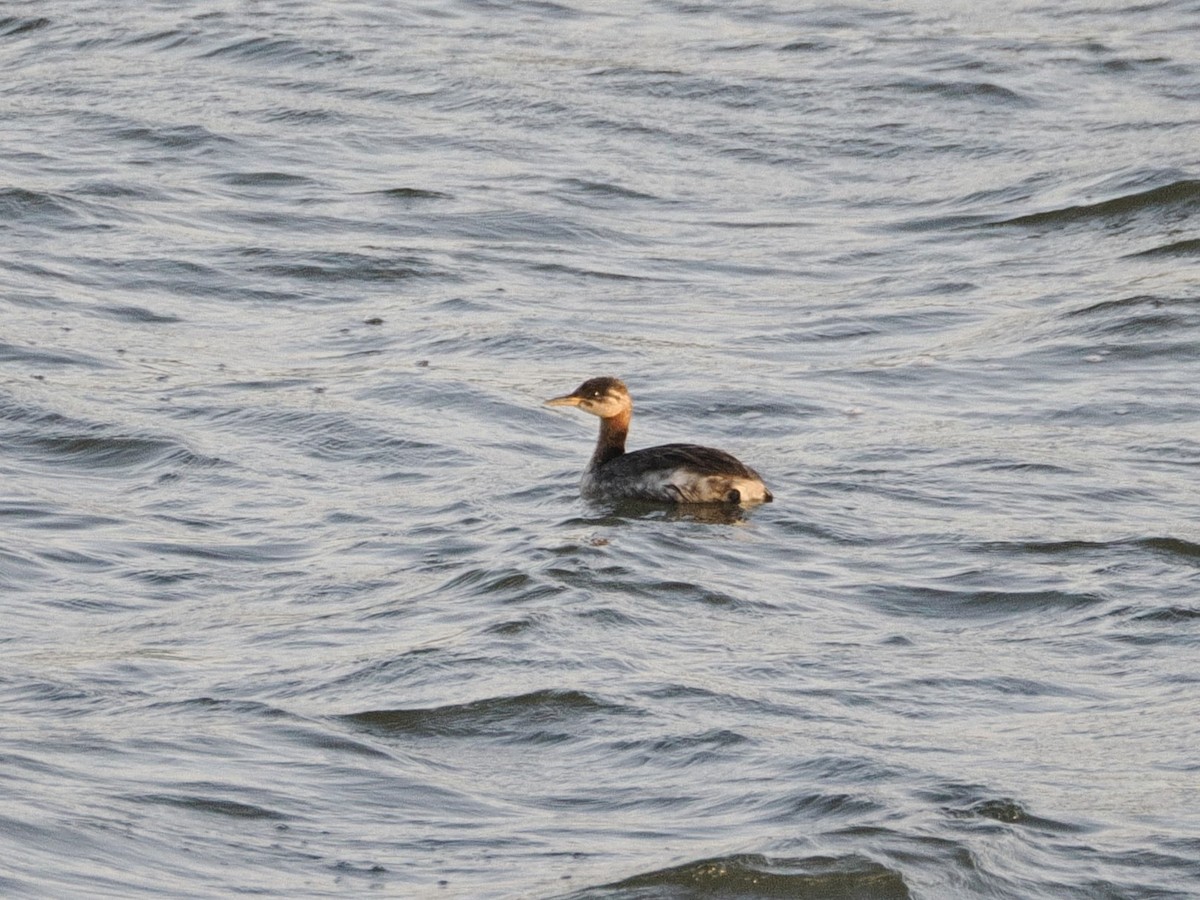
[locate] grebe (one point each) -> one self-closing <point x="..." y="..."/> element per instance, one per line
<point x="675" y="473"/>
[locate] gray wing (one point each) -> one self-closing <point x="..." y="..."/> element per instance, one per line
<point x="692" y="457"/>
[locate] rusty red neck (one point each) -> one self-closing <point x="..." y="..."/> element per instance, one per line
<point x="612" y="439"/>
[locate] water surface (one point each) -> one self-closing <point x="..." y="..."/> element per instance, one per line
<point x="298" y="594"/>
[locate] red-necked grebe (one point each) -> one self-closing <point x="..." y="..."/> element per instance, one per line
<point x="674" y="473"/>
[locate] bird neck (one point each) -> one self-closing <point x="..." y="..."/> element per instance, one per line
<point x="612" y="438"/>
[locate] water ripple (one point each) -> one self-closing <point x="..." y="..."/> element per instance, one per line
<point x="848" y="877"/>
<point x="524" y="717"/>
<point x="300" y="597"/>
<point x="1176" y="198"/>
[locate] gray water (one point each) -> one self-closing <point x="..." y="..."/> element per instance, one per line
<point x="298" y="595"/>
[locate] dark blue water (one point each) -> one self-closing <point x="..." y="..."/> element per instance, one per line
<point x="297" y="595"/>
